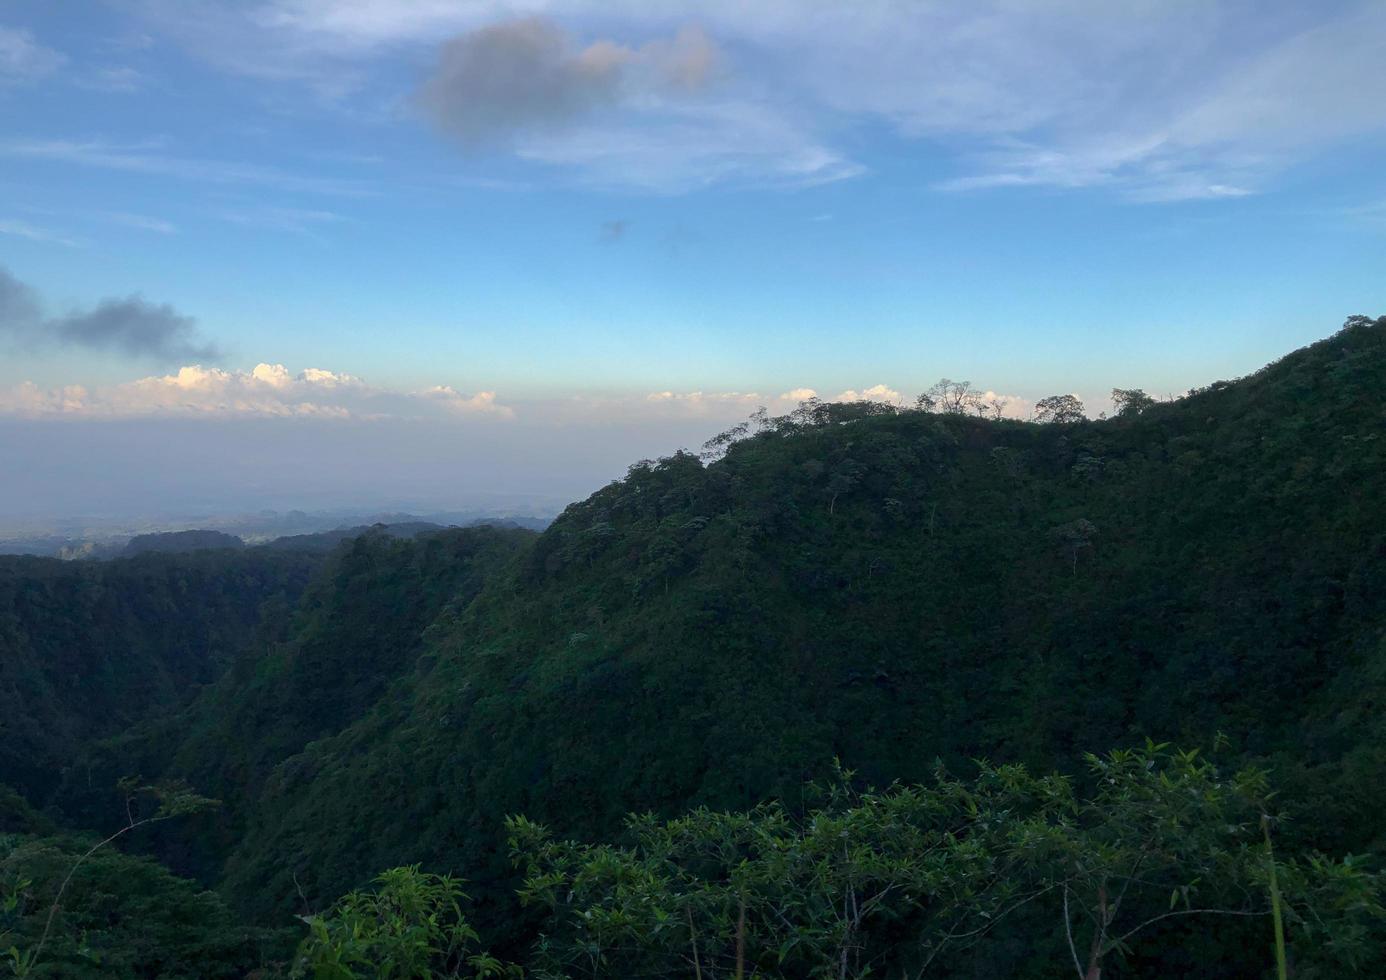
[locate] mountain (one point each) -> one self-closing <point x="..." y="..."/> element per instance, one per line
<point x="888" y="588"/>
<point x="325" y="541"/>
<point x="884" y="587"/>
<point x="103" y="538"/>
<point x="88" y="649"/>
<point x="52" y="546"/>
<point x="177" y="542"/>
<point x="359" y="626"/>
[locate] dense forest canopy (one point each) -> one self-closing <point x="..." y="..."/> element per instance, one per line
<point x="89" y="649"/>
<point x="893" y="588"/>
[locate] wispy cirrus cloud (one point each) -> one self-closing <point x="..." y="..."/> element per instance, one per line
<point x="1168" y="104"/>
<point x="112" y="78"/>
<point x="23" y="59"/>
<point x="35" y="233"/>
<point x="141" y="222"/>
<point x="683" y="148"/>
<point x="152" y="160"/>
<point x="299" y="221"/>
<point x="126" y="219"/>
<point x="1371" y="214"/>
<point x="1152" y="102"/>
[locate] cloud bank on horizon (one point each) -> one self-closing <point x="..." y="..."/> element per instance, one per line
<point x="265" y="391"/>
<point x="272" y="391"/>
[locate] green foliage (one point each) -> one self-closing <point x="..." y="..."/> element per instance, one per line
<point x="144" y="804"/>
<point x="120" y="917"/>
<point x="360" y="625"/>
<point x="18" y="817"/>
<point x="358" y="628"/>
<point x="1129" y="402"/>
<point x="914" y="879"/>
<point x="162" y="800"/>
<point x="89" y="648"/>
<point x="177" y="542"/>
<point x="409" y="927"/>
<point x="1059" y="410"/>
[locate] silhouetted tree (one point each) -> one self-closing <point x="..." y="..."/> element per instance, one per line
<point x="949" y="397"/>
<point x="1130" y="401"/>
<point x="1059" y="410"/>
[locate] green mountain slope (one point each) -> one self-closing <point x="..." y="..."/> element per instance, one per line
<point x="89" y="648"/>
<point x="361" y="623"/>
<point x="359" y="626"/>
<point x="886" y="588"/>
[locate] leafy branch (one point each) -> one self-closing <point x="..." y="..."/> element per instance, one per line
<point x="171" y="798"/>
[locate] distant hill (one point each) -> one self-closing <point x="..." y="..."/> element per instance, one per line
<point x="179" y="542"/>
<point x="106" y="539"/>
<point x="324" y="541"/>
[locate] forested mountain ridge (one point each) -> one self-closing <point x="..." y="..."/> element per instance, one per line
<point x="884" y="587"/>
<point x="178" y="542"/>
<point x="356" y="630"/>
<point x="887" y="588"/>
<point x="88" y="649"/>
<point x="358" y="627"/>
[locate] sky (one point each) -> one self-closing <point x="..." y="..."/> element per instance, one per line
<point x="425" y="253"/>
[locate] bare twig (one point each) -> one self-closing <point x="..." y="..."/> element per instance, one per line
<point x="57" y="899"/>
<point x="1113" y="945"/>
<point x="741" y="940"/>
<point x="307" y="909"/>
<point x="1068" y="930"/>
<point x="693" y="939"/>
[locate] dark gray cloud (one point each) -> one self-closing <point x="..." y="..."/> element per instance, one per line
<point x="20" y="313"/>
<point x="529" y="74"/>
<point x="516" y="75"/>
<point x="132" y="327"/>
<point x="614" y="231"/>
<point x="135" y="328"/>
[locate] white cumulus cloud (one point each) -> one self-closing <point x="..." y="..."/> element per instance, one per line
<point x="266" y="391"/>
<point x="482" y="403"/>
<point x="876" y="393"/>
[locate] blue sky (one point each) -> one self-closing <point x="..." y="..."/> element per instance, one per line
<point x="644" y="219"/>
